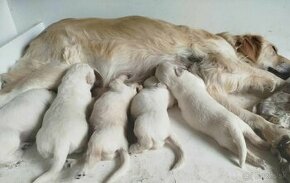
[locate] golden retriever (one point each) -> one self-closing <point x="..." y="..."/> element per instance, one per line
<point x="235" y="68"/>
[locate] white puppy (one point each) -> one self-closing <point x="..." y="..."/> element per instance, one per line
<point x="205" y="114"/>
<point x="109" y="120"/>
<point x="152" y="123"/>
<point x="19" y="121"/>
<point x="64" y="129"/>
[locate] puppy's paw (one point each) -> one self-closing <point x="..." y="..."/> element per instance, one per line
<point x="262" y="164"/>
<point x="1" y="82"/>
<point x="135" y="149"/>
<point x="80" y="175"/>
<point x="14" y="164"/>
<point x="69" y="163"/>
<point x="25" y="146"/>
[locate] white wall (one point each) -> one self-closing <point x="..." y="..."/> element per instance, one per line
<point x="267" y="17"/>
<point x="7" y="27"/>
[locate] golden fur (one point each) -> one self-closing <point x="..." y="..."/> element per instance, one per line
<point x="233" y="67"/>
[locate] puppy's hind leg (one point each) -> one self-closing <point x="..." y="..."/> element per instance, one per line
<point x="251" y="157"/>
<point x="93" y="155"/>
<point x="144" y="143"/>
<point x="58" y="162"/>
<point x="240" y="142"/>
<point x="255" y="139"/>
<point x="255" y="161"/>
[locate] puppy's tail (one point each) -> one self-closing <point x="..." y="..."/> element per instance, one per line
<point x="178" y="151"/>
<point x="125" y="162"/>
<point x="58" y="162"/>
<point x="240" y="142"/>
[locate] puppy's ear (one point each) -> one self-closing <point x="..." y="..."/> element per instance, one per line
<point x="139" y="88"/>
<point x="90" y="78"/>
<point x="99" y="79"/>
<point x="250" y="46"/>
<point x="161" y="85"/>
<point x="178" y="71"/>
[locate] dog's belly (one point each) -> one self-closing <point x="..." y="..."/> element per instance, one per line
<point x="132" y="45"/>
<point x="244" y="100"/>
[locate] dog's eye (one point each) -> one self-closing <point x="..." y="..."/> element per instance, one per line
<point x="275" y="49"/>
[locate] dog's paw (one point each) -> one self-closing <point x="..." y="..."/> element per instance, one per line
<point x="270" y="85"/>
<point x="275" y="120"/>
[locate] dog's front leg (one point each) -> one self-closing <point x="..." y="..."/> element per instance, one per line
<point x="262" y="80"/>
<point x="241" y="82"/>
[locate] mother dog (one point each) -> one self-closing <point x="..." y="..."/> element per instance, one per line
<point x="234" y="68"/>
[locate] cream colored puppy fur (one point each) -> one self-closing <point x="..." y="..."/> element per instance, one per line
<point x="205" y="114"/>
<point x="109" y="120"/>
<point x="19" y="121"/>
<point x="152" y="123"/>
<point x="64" y="129"/>
<point x="136" y="45"/>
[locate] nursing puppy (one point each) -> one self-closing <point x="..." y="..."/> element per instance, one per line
<point x="19" y="121"/>
<point x="64" y="129"/>
<point x="152" y="123"/>
<point x="204" y="114"/>
<point x="235" y="72"/>
<point x="109" y="120"/>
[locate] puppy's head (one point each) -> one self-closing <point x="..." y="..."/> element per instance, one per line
<point x="259" y="53"/>
<point x="80" y="73"/>
<point x="135" y="88"/>
<point x="118" y="84"/>
<point x="153" y="82"/>
<point x="167" y="73"/>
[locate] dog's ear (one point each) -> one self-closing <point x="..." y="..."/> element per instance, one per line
<point x="250" y="46"/>
<point x="99" y="79"/>
<point x="90" y="78"/>
<point x="179" y="71"/>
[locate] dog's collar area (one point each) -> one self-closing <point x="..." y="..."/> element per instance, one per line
<point x="195" y="59"/>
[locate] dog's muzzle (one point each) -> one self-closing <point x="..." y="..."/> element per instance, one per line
<point x="283" y="74"/>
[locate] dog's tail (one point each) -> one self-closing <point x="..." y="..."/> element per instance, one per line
<point x="178" y="151"/>
<point x="125" y="163"/>
<point x="238" y="138"/>
<point x="58" y="161"/>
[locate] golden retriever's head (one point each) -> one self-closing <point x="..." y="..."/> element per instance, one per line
<point x="260" y="53"/>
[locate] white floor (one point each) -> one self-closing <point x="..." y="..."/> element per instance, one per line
<point x="205" y="162"/>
